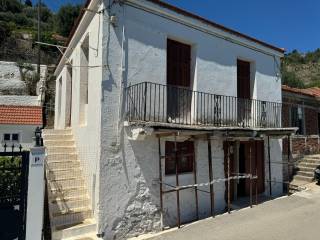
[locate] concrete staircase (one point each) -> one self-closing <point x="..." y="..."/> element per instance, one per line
<point x="304" y="171"/>
<point x="69" y="204"/>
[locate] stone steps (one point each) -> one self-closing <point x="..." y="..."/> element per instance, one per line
<point x="67" y="192"/>
<point x="58" y="143"/>
<point x="304" y="171"/>
<point x="63" y="205"/>
<point x="61" y="174"/>
<point x="61" y="157"/>
<point x="303" y="178"/>
<point x="60" y="149"/>
<point x="63" y="165"/>
<point x="58" y="137"/>
<point x="71" y="216"/>
<point x="69" y="204"/>
<point x="80" y="231"/>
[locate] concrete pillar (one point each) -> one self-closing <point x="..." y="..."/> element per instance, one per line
<point x="35" y="202"/>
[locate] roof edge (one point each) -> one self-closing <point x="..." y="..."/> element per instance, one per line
<point x="214" y="24"/>
<point x="179" y="11"/>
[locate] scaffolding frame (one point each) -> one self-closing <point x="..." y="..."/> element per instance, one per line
<point x="177" y="188"/>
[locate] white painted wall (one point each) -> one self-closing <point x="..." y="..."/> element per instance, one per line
<point x="86" y="133"/>
<point x="26" y="133"/>
<point x="134" y="51"/>
<point x="134" y="164"/>
<point x="19" y="100"/>
<point x="276" y="167"/>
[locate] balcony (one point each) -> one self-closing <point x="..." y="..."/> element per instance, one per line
<point x="157" y="103"/>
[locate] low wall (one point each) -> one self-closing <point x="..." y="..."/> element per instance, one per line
<point x="302" y="145"/>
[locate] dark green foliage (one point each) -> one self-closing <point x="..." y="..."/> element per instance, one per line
<point x="66" y="17"/>
<point x="294" y="57"/>
<point x="290" y="79"/>
<point x="13" y="6"/>
<point x="28" y="3"/>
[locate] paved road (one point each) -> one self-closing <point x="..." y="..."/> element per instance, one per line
<point x="290" y="218"/>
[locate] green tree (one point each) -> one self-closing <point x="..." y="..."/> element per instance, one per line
<point x="13" y="6"/>
<point x="290" y="78"/>
<point x="66" y="17"/>
<point x="28" y="3"/>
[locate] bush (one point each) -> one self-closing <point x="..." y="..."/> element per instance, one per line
<point x="291" y="79"/>
<point x="13" y="6"/>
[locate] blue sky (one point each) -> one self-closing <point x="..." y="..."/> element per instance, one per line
<point x="291" y="24"/>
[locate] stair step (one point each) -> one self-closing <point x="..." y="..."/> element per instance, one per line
<point x="306" y="174"/>
<point x="58" y="137"/>
<point x="88" y="227"/>
<point x="314" y="156"/>
<point x="305" y="169"/>
<point x="311" y="159"/>
<point x="63" y="174"/>
<point x="58" y="143"/>
<point x="62" y="205"/>
<point x="73" y="216"/>
<point x="303" y="178"/>
<point x="60" y="149"/>
<point x="66" y="192"/>
<point x="71" y="182"/>
<point x="56" y="131"/>
<point x="61" y="156"/>
<point x="308" y="165"/>
<point x="52" y="166"/>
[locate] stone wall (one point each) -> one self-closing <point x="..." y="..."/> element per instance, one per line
<point x="302" y="145"/>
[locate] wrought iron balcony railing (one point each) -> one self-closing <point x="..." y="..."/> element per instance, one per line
<point x="152" y="102"/>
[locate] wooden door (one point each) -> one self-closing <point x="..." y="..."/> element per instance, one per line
<point x="256" y="167"/>
<point x="243" y="79"/>
<point x="178" y="81"/>
<point x="178" y="63"/>
<point x="243" y="93"/>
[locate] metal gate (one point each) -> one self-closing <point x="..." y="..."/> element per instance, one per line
<point x="13" y="193"/>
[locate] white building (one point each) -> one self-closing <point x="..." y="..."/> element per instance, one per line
<point x="139" y="79"/>
<point x="19" y="118"/>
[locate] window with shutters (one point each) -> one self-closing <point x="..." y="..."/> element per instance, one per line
<point x="183" y="157"/>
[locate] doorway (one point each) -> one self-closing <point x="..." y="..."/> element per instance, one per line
<point x="69" y="96"/>
<point x="244" y="92"/>
<point x="179" y="94"/>
<point x="246" y="157"/>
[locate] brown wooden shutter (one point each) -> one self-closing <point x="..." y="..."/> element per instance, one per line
<point x="243" y="79"/>
<point x="178" y="63"/>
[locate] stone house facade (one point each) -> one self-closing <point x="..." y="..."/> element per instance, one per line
<point x="165" y="107"/>
<point x="301" y="109"/>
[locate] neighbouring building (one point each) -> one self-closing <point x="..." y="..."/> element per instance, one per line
<point x="301" y="109"/>
<point x="19" y="118"/>
<point x="153" y="104"/>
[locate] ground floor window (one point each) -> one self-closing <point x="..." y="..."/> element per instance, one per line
<point x="184" y="155"/>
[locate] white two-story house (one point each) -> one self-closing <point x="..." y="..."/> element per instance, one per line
<point x="161" y="118"/>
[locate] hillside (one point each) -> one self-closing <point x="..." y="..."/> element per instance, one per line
<point x="18" y="30"/>
<point x="301" y="70"/>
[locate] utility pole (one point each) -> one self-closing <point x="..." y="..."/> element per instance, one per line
<point x="39" y="39"/>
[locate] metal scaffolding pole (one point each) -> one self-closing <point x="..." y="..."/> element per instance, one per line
<point x="210" y="176"/>
<point x="177" y="181"/>
<point x="160" y="183"/>
<point x="269" y="161"/>
<point x="228" y="165"/>
<point x="195" y="188"/>
<point x="250" y="168"/>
